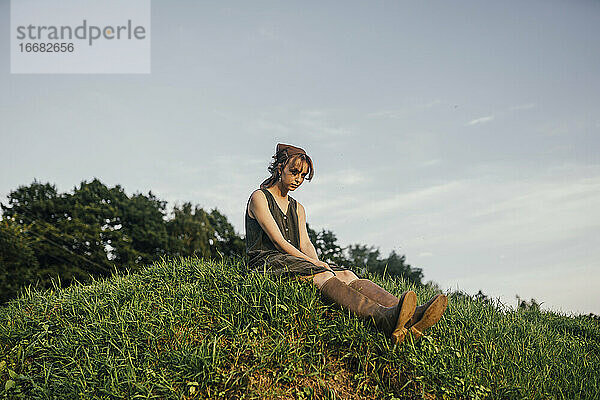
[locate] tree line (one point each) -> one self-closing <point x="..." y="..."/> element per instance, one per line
<point x="95" y="230"/>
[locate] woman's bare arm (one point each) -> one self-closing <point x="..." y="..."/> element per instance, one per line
<point x="306" y="246"/>
<point x="260" y="210"/>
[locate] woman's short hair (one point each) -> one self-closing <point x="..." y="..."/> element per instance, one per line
<point x="280" y="160"/>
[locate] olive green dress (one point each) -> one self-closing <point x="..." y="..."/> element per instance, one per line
<point x="262" y="254"/>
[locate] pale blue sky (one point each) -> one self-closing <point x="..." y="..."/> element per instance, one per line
<point x="462" y="134"/>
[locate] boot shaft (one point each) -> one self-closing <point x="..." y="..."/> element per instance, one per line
<point x="352" y="300"/>
<point x="374" y="292"/>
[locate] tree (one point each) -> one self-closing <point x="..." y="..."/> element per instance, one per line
<point x="325" y="243"/>
<point x="225" y="241"/>
<point x="143" y="228"/>
<point x="482" y="297"/>
<point x="18" y="265"/>
<point x="523" y="304"/>
<point x="90" y="231"/>
<point x="395" y="265"/>
<point x="44" y="216"/>
<point x="95" y="229"/>
<point x="190" y="232"/>
<point x="364" y="258"/>
<point x="193" y="231"/>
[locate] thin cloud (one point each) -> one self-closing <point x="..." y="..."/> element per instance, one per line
<point x="316" y="123"/>
<point x="268" y="32"/>
<point x="313" y="113"/>
<point x="513" y="213"/>
<point x="272" y="126"/>
<point x="358" y="205"/>
<point x="348" y="177"/>
<point x="404" y="111"/>
<point x="521" y="107"/>
<point x="488" y="118"/>
<point x="430" y="163"/>
<point x="481" y="120"/>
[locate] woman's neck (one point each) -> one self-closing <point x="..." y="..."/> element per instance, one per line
<point x="277" y="191"/>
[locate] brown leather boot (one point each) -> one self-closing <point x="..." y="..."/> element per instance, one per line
<point x="374" y="292"/>
<point x="391" y="320"/>
<point x="427" y="315"/>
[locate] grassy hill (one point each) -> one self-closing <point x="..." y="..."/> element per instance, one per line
<point x="180" y="329"/>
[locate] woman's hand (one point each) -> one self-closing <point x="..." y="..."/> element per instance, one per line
<point x="323" y="264"/>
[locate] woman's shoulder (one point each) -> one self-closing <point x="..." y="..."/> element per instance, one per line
<point x="257" y="196"/>
<point x="298" y="205"/>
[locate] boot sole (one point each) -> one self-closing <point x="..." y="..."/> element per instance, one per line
<point x="409" y="303"/>
<point x="432" y="315"/>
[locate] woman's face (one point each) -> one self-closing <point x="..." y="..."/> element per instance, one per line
<point x="294" y="173"/>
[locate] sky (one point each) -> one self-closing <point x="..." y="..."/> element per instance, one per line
<point x="463" y="135"/>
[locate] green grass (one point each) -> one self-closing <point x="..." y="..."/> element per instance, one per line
<point x="180" y="330"/>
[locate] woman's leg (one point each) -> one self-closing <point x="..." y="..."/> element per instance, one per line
<point x="375" y="292"/>
<point x="425" y="316"/>
<point x="391" y="320"/>
<point x="347" y="277"/>
<point x="319" y="279"/>
<point x="367" y="288"/>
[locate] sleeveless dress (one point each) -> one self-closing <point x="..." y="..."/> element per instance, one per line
<point x="261" y="253"/>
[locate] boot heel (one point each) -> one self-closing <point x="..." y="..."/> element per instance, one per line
<point x="398" y="335"/>
<point x="431" y="316"/>
<point x="415" y="333"/>
<point x="407" y="309"/>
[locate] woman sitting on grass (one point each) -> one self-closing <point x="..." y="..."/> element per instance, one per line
<point x="277" y="240"/>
